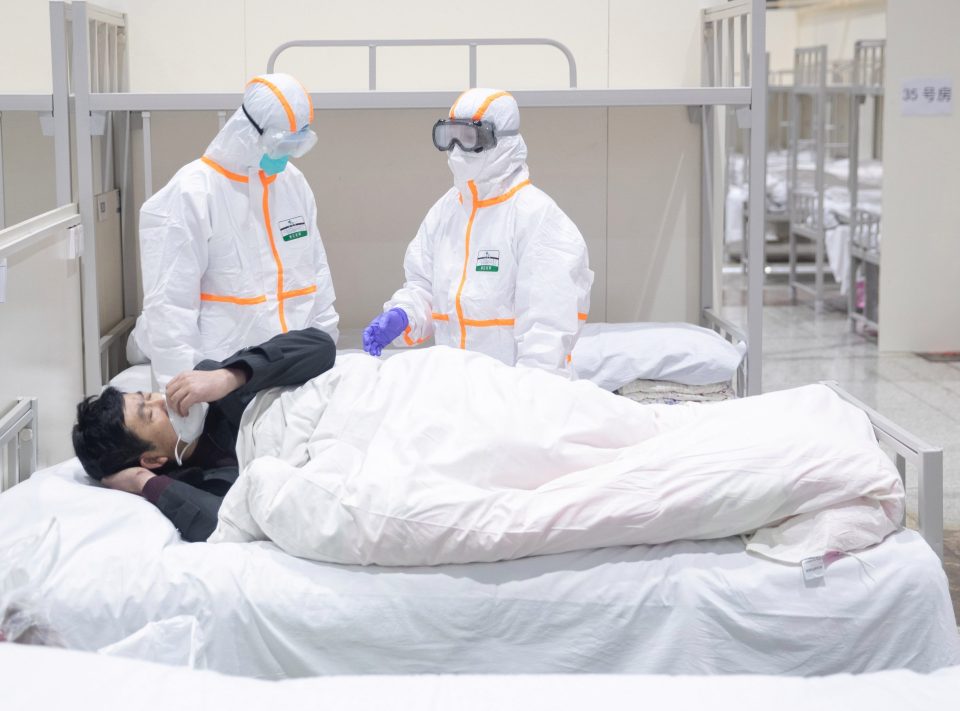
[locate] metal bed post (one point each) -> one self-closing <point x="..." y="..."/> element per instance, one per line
<point x="757" y="206"/>
<point x="59" y="25"/>
<point x="864" y="227"/>
<point x="88" y="262"/>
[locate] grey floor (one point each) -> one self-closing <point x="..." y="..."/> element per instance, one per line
<point x="801" y="347"/>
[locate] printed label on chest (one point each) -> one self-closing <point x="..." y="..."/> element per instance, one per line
<point x="293" y="228"/>
<point x="488" y="260"/>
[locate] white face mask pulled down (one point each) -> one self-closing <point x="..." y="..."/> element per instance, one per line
<point x="188" y="428"/>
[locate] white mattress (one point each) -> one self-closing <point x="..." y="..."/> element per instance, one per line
<point x="111" y="572"/>
<point x="121" y="684"/>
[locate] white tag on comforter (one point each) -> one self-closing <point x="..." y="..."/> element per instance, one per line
<point x="812" y="568"/>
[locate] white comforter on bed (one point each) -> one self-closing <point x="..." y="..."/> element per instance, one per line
<point x="442" y="456"/>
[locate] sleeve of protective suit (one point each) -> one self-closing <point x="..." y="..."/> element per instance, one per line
<point x="323" y="315"/>
<point x="174" y="234"/>
<point x="553" y="290"/>
<point x="416" y="295"/>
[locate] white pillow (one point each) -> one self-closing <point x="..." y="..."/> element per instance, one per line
<point x="614" y="354"/>
<point x="134" y="379"/>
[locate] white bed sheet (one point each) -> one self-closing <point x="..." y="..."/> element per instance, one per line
<point x="90" y="681"/>
<point x="112" y="572"/>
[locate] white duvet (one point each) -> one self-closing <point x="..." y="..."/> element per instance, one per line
<point x="441" y="456"/>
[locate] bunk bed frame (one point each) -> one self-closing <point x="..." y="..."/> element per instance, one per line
<point x="835" y="92"/>
<point x="866" y="92"/>
<point x="100" y="88"/>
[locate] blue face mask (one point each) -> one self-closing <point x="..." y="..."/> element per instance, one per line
<point x="272" y="166"/>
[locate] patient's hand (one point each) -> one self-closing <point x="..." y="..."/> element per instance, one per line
<point x="131" y="480"/>
<point x="193" y="386"/>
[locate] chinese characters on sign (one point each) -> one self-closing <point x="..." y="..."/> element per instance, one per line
<point x="927" y="96"/>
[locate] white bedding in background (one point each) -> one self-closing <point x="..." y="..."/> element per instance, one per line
<point x="121" y="685"/>
<point x="608" y="354"/>
<point x="112" y="572"/>
<point x="613" y="354"/>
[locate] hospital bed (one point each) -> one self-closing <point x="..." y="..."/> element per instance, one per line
<point x="250" y="609"/>
<point x="113" y="683"/>
<point x="104" y="570"/>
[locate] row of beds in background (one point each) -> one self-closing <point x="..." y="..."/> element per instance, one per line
<point x="824" y="117"/>
<point x="95" y="569"/>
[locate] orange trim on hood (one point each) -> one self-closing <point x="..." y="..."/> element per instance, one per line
<point x="486" y="105"/>
<point x="453" y="108"/>
<point x="283" y="100"/>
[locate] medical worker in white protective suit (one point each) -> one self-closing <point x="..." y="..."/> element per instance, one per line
<point x="229" y="248"/>
<point x="496" y="266"/>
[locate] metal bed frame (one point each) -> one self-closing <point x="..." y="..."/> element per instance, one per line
<point x="100" y="34"/>
<point x="867" y="86"/>
<point x="832" y="89"/>
<point x="18" y="442"/>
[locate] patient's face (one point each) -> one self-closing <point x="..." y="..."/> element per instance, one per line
<point x="145" y="415"/>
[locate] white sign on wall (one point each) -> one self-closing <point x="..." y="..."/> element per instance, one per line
<point x="927" y="96"/>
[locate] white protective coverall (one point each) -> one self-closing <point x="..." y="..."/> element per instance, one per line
<point x="231" y="256"/>
<point x="496" y="266"/>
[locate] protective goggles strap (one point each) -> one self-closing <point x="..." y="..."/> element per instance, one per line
<point x="250" y="119"/>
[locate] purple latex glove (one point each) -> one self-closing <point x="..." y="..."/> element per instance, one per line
<point x="383" y="329"/>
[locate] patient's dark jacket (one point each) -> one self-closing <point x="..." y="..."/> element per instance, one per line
<point x="190" y="496"/>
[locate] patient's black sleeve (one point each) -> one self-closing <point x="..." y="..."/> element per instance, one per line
<point x="287" y="359"/>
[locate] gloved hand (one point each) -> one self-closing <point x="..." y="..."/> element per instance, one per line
<point x="383" y="329"/>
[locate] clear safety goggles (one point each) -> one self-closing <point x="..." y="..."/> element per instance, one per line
<point x="278" y="144"/>
<point x="474" y="136"/>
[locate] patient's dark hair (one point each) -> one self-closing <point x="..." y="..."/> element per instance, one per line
<point x="101" y="440"/>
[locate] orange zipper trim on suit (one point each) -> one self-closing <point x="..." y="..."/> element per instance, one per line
<point x="466" y="261"/>
<point x="238" y="300"/>
<point x="265" y="182"/>
<point x="299" y="292"/>
<point x="477" y="204"/>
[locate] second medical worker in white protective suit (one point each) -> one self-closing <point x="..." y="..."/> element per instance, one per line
<point x="496" y="266"/>
<point x="229" y="248"/>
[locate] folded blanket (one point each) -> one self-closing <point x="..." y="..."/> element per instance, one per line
<point x="664" y="392"/>
<point x="443" y="456"/>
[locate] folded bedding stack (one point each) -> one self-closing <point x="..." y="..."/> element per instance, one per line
<point x="662" y="392"/>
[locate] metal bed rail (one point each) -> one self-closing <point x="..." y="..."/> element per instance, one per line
<point x="734" y="52"/>
<point x="470" y="43"/>
<point x="18" y="442"/>
<point x="732" y="334"/>
<point x="925" y="458"/>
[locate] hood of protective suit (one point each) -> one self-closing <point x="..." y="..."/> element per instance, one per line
<point x="494" y="171"/>
<point x="274" y="101"/>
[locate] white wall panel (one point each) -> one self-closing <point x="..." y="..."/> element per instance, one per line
<point x="919" y="301"/>
<point x="40" y="341"/>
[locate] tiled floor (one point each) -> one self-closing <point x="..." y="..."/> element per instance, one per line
<point x="800" y="347"/>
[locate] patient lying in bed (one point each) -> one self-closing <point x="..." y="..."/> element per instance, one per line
<point x="442" y="456"/>
<point x="127" y="442"/>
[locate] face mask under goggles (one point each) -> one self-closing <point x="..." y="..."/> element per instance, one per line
<point x="473" y="136"/>
<point x="279" y="144"/>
